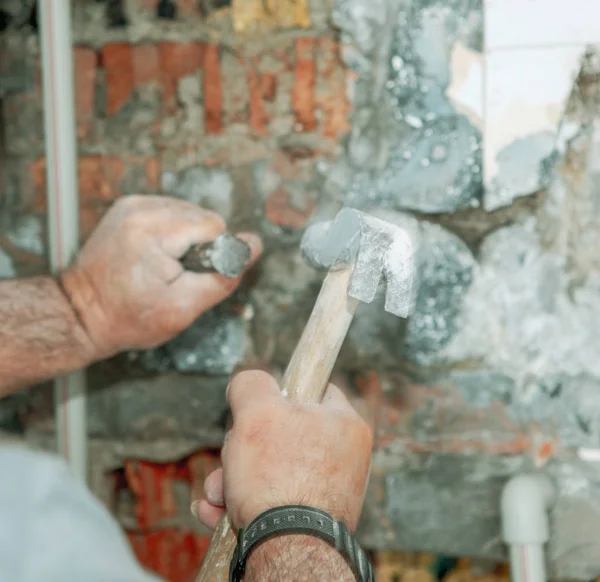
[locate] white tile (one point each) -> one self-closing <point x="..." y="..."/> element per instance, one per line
<point x="536" y="23"/>
<point x="466" y="83"/>
<point x="526" y="91"/>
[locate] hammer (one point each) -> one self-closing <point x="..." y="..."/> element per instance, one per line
<point x="358" y="249"/>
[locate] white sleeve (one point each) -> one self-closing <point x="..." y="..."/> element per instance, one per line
<point x="53" y="529"/>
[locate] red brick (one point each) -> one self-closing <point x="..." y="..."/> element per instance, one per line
<point x="333" y="101"/>
<point x="280" y="211"/>
<point x="172" y="554"/>
<point x="85" y="63"/>
<point x="257" y="120"/>
<point x="146" y="64"/>
<point x="213" y="91"/>
<point x="177" y="60"/>
<point x="117" y="60"/>
<point x="99" y="180"/>
<point x="303" y="98"/>
<point x="152" y="485"/>
<point x="268" y="86"/>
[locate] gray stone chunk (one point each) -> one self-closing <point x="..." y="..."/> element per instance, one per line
<point x="214" y="344"/>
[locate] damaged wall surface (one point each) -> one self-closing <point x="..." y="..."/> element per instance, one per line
<point x="475" y="124"/>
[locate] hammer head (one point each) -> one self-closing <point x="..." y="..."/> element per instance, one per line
<point x="374" y="247"/>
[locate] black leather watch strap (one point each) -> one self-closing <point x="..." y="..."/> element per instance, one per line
<point x="298" y="519"/>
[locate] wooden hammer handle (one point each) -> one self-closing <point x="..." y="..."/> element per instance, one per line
<point x="305" y="381"/>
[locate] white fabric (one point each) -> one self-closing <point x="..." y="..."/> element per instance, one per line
<point x="53" y="529"/>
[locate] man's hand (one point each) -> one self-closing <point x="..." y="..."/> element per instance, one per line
<point x="127" y="285"/>
<point x="280" y="453"/>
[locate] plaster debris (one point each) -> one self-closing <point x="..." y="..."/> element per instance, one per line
<point x="523" y="317"/>
<point x="207" y="187"/>
<point x="533" y="311"/>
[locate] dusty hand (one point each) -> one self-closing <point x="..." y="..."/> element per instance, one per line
<point x="279" y="453"/>
<point x="127" y="284"/>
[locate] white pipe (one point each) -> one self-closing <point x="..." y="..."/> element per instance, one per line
<point x="63" y="206"/>
<point x="525" y="502"/>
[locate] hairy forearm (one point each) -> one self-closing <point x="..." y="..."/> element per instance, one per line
<point x="297" y="558"/>
<point x="40" y="334"/>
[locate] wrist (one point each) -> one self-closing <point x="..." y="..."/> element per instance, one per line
<point x="79" y="296"/>
<point x="298" y="558"/>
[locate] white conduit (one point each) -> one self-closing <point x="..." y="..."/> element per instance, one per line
<point x="63" y="205"/>
<point x="526" y="500"/>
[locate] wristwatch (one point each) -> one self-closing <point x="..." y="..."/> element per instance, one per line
<point x="299" y="519"/>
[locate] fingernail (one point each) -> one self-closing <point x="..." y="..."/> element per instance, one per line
<point x="194" y="508"/>
<point x="214" y="499"/>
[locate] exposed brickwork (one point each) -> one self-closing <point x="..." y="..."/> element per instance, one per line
<point x="86" y="61"/>
<point x="101" y="180"/>
<point x="177" y="60"/>
<point x="173" y="554"/>
<point x="332" y="94"/>
<point x="303" y="100"/>
<point x="146" y="64"/>
<point x="118" y="63"/>
<point x="151" y="103"/>
<point x="257" y="111"/>
<point x="213" y="91"/>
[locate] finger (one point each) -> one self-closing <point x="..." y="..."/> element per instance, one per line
<point x="197" y="293"/>
<point x="213" y="488"/>
<point x="250" y="387"/>
<point x="208" y="514"/>
<point x="181" y="227"/>
<point x="334" y="398"/>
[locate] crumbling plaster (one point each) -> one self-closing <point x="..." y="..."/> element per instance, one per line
<point x="473" y="123"/>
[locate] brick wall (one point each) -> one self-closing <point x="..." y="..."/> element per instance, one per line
<point x="496" y="370"/>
